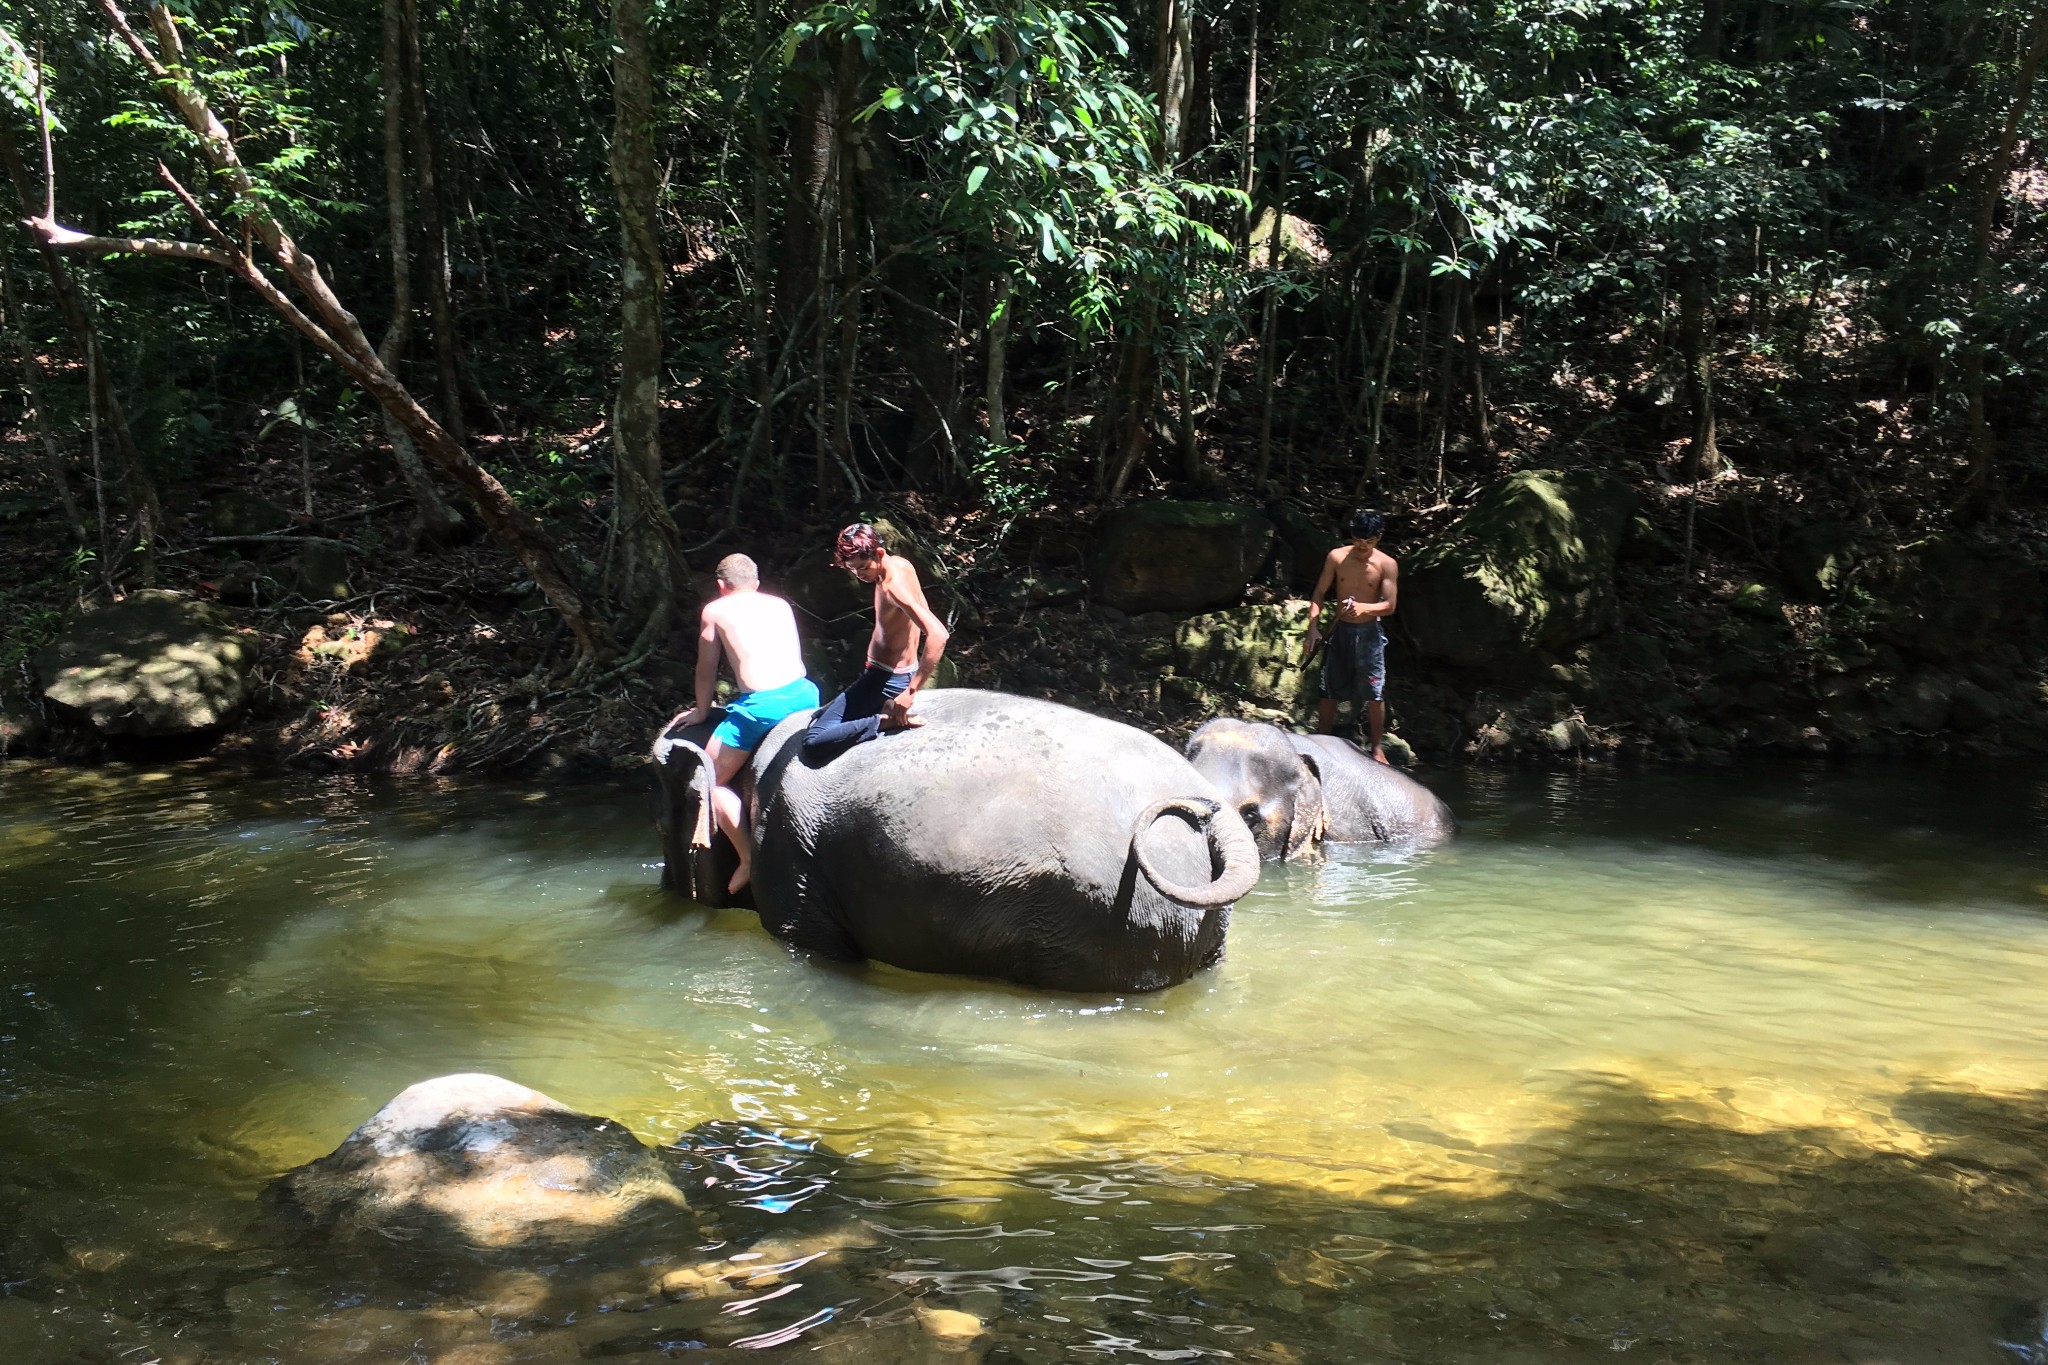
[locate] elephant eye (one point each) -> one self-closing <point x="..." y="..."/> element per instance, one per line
<point x="1250" y="811"/>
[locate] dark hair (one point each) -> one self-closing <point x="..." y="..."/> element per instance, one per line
<point x="857" y="542"/>
<point x="1367" y="525"/>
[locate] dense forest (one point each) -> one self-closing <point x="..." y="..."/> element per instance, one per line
<point x="526" y="312"/>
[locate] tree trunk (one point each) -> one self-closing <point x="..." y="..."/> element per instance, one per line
<point x="1696" y="339"/>
<point x="78" y="319"/>
<point x="1369" y="465"/>
<point x="1248" y="160"/>
<point x="998" y="350"/>
<point x="1269" y="320"/>
<point x="437" y="521"/>
<point x="434" y="236"/>
<point x="331" y="326"/>
<point x="1983" y="478"/>
<point x="1172" y="74"/>
<point x="1482" y="416"/>
<point x="38" y="408"/>
<point x="646" y="547"/>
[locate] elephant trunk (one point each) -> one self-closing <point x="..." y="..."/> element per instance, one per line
<point x="1231" y="851"/>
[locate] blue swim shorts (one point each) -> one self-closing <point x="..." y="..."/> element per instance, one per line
<point x="751" y="715"/>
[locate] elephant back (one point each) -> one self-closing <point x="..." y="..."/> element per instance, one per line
<point x="1005" y="837"/>
<point x="1371" y="802"/>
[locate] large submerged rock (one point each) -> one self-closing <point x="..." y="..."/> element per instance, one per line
<point x="1179" y="556"/>
<point x="1529" y="568"/>
<point x="476" y="1161"/>
<point x="154" y="664"/>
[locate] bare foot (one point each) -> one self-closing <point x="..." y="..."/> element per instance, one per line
<point x="740" y="877"/>
<point x="1380" y="756"/>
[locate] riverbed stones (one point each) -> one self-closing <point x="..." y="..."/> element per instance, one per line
<point x="155" y="664"/>
<point x="1529" y="569"/>
<point x="476" y="1161"/>
<point x="1179" y="556"/>
<point x="1826" y="1260"/>
<point x="21" y="727"/>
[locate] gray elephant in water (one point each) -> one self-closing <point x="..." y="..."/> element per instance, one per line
<point x="1296" y="791"/>
<point x="1006" y="837"/>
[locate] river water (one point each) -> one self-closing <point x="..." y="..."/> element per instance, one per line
<point x="1697" y="1066"/>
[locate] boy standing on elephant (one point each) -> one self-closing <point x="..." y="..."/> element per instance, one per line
<point x="757" y="632"/>
<point x="902" y="653"/>
<point x="1355" y="668"/>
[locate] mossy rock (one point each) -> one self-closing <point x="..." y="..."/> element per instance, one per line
<point x="153" y="664"/>
<point x="1304" y="543"/>
<point x="1249" y="653"/>
<point x="241" y="514"/>
<point x="1816" y="560"/>
<point x="1179" y="556"/>
<point x="320" y="571"/>
<point x="1954" y="594"/>
<point x="1529" y="568"/>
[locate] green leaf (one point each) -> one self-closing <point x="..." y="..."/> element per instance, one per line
<point x="975" y="177"/>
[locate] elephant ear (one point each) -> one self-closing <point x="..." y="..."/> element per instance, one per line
<point x="1311" y="812"/>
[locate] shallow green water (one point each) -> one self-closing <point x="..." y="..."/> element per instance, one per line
<point x="1694" y="1066"/>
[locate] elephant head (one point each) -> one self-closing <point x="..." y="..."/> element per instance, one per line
<point x="1276" y="788"/>
<point x="697" y="861"/>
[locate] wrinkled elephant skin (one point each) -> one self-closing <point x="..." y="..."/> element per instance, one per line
<point x="1298" y="791"/>
<point x="1006" y="837"/>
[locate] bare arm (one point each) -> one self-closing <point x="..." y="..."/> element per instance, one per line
<point x="906" y="592"/>
<point x="1390" y="588"/>
<point x="1315" y="602"/>
<point x="708" y="653"/>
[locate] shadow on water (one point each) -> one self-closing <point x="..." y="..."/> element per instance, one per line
<point x="1636" y="1226"/>
<point x="1913" y="833"/>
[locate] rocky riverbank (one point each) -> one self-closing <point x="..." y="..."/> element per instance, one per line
<point x="1550" y="618"/>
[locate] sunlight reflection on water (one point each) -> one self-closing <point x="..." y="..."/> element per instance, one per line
<point x="1627" y="1023"/>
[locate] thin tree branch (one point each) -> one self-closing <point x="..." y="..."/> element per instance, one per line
<point x="49" y="152"/>
<point x="61" y="238"/>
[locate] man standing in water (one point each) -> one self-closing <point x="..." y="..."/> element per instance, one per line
<point x="1355" y="668"/>
<point x="902" y="652"/>
<point x="757" y="632"/>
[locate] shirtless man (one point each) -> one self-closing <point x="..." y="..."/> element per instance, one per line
<point x="757" y="632"/>
<point x="898" y="664"/>
<point x="1355" y="669"/>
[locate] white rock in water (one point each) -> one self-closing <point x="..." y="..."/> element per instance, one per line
<point x="477" y="1160"/>
<point x="950" y="1324"/>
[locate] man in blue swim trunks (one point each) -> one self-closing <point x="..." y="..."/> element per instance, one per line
<point x="756" y="631"/>
<point x="1355" y="669"/>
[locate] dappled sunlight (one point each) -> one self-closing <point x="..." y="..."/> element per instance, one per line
<point x="1611" y="1069"/>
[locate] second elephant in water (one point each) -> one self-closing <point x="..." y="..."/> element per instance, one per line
<point x="1296" y="791"/>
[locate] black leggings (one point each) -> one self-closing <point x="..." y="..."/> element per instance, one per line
<point x="855" y="715"/>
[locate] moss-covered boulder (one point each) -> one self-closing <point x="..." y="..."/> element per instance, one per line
<point x="1529" y="568"/>
<point x="1950" y="595"/>
<point x="320" y="571"/>
<point x="243" y="514"/>
<point x="154" y="664"/>
<point x="1816" y="560"/>
<point x="1251" y="654"/>
<point x="1179" y="556"/>
<point x="1303" y="543"/>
